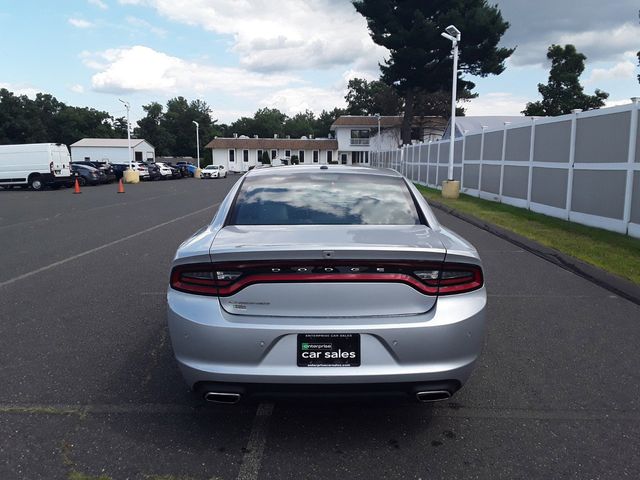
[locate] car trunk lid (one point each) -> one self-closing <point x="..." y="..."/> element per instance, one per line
<point x="328" y="270"/>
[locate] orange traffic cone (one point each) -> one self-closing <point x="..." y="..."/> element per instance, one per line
<point x="120" y="187"/>
<point x="76" y="188"/>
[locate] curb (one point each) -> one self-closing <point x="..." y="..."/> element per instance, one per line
<point x="621" y="287"/>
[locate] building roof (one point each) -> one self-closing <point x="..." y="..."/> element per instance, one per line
<point x="274" y="143"/>
<point x="388" y="121"/>
<point x="475" y="124"/>
<point x="108" y="142"/>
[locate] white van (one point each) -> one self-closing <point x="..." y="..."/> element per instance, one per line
<point x="36" y="165"/>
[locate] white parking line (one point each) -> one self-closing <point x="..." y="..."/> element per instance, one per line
<point x="101" y="247"/>
<point x="252" y="457"/>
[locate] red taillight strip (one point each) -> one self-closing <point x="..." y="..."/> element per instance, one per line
<point x="467" y="283"/>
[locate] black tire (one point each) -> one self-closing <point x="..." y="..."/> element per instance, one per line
<point x="82" y="181"/>
<point x="36" y="183"/>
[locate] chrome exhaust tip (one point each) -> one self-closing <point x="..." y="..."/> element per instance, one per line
<point x="433" y="396"/>
<point x="222" y="397"/>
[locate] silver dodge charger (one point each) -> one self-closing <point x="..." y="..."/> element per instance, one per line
<point x="325" y="280"/>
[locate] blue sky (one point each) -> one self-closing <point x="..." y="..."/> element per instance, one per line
<point x="241" y="55"/>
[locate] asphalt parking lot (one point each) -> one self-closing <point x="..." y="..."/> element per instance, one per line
<point x="90" y="388"/>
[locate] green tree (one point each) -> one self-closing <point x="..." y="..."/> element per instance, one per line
<point x="322" y="127"/>
<point x="369" y="98"/>
<point x="172" y="132"/>
<point x="420" y="59"/>
<point x="151" y="127"/>
<point x="266" y="159"/>
<point x="301" y="124"/>
<point x="563" y="91"/>
<point x="120" y="127"/>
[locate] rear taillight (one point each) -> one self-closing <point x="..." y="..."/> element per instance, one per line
<point x="459" y="278"/>
<point x="224" y="280"/>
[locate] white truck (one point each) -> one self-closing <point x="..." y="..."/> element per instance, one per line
<point x="35" y="165"/>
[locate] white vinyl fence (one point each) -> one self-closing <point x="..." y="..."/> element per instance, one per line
<point x="583" y="167"/>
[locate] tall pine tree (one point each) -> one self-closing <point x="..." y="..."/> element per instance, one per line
<point x="420" y="59"/>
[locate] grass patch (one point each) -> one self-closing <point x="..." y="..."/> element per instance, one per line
<point x="616" y="253"/>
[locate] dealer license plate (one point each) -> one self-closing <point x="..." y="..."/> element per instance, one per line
<point x="329" y="350"/>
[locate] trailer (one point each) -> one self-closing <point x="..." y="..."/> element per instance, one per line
<point x="35" y="165"/>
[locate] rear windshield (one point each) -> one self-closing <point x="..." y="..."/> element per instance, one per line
<point x="324" y="198"/>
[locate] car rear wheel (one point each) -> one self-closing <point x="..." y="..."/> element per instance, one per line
<point x="35" y="183"/>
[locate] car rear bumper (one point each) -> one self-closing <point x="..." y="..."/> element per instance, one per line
<point x="212" y="345"/>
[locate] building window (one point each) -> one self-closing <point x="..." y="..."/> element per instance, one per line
<point x="287" y="153"/>
<point x="232" y="155"/>
<point x="274" y="154"/>
<point x="259" y="156"/>
<point x="245" y="155"/>
<point x="359" y="137"/>
<point x="329" y="156"/>
<point x="344" y="158"/>
<point x="301" y="156"/>
<point x="316" y="156"/>
<point x="366" y="157"/>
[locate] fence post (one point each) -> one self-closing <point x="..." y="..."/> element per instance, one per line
<point x="419" y="159"/>
<point x="572" y="156"/>
<point x="532" y="142"/>
<point x="413" y="162"/>
<point x="464" y="144"/>
<point x="633" y="133"/>
<point x="484" y="128"/>
<point x="428" y="162"/>
<point x="438" y="164"/>
<point x="504" y="150"/>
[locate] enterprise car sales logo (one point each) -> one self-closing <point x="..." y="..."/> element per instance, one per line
<point x="316" y="346"/>
<point x="323" y="351"/>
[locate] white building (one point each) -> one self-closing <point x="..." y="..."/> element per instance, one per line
<point x="112" y="150"/>
<point x="355" y="138"/>
<point x="238" y="154"/>
<point x="357" y="135"/>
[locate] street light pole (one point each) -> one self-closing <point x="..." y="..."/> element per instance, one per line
<point x="197" y="140"/>
<point x="453" y="34"/>
<point x="128" y="106"/>
<point x="451" y="187"/>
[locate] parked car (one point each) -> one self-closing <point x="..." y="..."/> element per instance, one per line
<point x="212" y="171"/>
<point x="118" y="169"/>
<point x="189" y="166"/>
<point x="182" y="169"/>
<point x="35" y="165"/>
<point x="142" y="170"/>
<point x="326" y="279"/>
<point x="154" y="171"/>
<point x="88" y="175"/>
<point x="165" y="170"/>
<point x="104" y="167"/>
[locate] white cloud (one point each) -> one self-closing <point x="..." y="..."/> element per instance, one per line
<point x="616" y="103"/>
<point x="77" y="88"/>
<point x="294" y="100"/>
<point x="283" y="35"/>
<point x="80" y="23"/>
<point x="620" y="71"/>
<point x="143" y="69"/>
<point x="139" y="23"/>
<point x="21" y="89"/>
<point x="99" y="3"/>
<point x="496" y="103"/>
